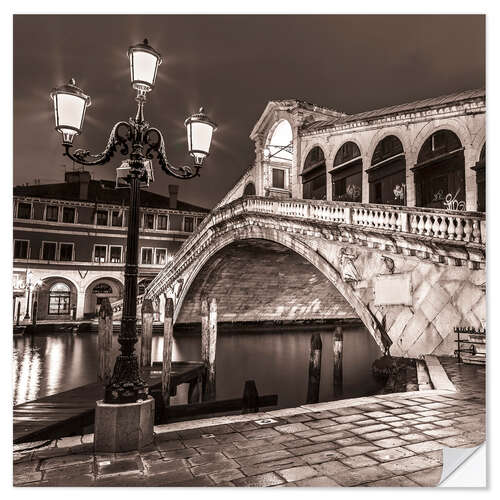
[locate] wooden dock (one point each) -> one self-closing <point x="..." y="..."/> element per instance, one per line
<point x="69" y="412"/>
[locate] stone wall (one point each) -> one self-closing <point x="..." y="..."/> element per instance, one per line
<point x="257" y="280"/>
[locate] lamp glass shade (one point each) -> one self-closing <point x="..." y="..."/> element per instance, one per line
<point x="144" y="62"/>
<point x="70" y="104"/>
<point x="199" y="135"/>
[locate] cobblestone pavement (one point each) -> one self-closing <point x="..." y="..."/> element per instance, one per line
<point x="390" y="440"/>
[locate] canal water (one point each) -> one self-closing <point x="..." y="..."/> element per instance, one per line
<point x="277" y="361"/>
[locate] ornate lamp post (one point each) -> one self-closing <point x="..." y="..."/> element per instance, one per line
<point x="141" y="143"/>
<point x="29" y="283"/>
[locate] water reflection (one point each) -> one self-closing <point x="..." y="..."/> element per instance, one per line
<point x="278" y="362"/>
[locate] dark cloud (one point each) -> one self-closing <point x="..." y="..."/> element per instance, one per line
<point x="232" y="65"/>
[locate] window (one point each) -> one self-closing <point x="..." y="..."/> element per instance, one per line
<point x="24" y="211"/>
<point x="188" y="224"/>
<point x="20" y="249"/>
<point x="102" y="288"/>
<point x="278" y="178"/>
<point x="52" y="213"/>
<point x="69" y="215"/>
<point x="147" y="256"/>
<point x="99" y="253"/>
<point x="161" y="256"/>
<point x="49" y="250"/>
<point x="117" y="218"/>
<point x="102" y="218"/>
<point x="314" y="175"/>
<point x="66" y="251"/>
<point x="199" y="220"/>
<point x="59" y="299"/>
<point x="149" y="221"/>
<point x="115" y="254"/>
<point x="162" y="222"/>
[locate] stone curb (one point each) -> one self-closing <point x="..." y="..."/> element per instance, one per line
<point x="77" y="444"/>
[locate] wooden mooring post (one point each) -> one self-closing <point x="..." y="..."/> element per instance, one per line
<point x="105" y="341"/>
<point x="314" y="369"/>
<point x="338" y="347"/>
<point x="147" y="312"/>
<point x="209" y="346"/>
<point x="34" y="313"/>
<point x="168" y="336"/>
<point x="18" y="315"/>
<point x="250" y="397"/>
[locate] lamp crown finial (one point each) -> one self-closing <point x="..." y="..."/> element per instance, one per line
<point x="202" y="110"/>
<point x="72" y="81"/>
<point x="146" y="42"/>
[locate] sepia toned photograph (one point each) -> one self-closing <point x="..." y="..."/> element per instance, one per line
<point x="248" y="250"/>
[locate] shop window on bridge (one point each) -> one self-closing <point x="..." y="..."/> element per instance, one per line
<point x="440" y="172"/>
<point x="387" y="173"/>
<point x="249" y="189"/>
<point x="278" y="178"/>
<point x="480" y="168"/>
<point x="314" y="175"/>
<point x="59" y="299"/>
<point x="347" y="173"/>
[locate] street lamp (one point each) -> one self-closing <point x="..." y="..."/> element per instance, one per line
<point x="140" y="142"/>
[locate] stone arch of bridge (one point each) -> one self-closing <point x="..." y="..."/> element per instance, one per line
<point x="248" y="231"/>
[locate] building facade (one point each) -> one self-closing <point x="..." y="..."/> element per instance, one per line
<point x="70" y="243"/>
<point x="429" y="153"/>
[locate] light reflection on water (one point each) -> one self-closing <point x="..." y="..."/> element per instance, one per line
<point x="278" y="362"/>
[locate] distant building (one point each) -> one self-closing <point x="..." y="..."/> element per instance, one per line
<point x="70" y="243"/>
<point x="429" y="153"/>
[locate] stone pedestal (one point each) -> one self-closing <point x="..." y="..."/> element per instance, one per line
<point x="120" y="428"/>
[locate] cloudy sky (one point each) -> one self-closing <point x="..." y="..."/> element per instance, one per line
<point x="231" y="65"/>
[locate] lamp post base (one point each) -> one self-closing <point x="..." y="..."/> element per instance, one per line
<point x="125" y="427"/>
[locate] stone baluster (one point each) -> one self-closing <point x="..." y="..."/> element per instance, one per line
<point x="467" y="230"/>
<point x="443" y="228"/>
<point x="451" y="228"/>
<point x="392" y="221"/>
<point x="459" y="231"/>
<point x="435" y="226"/>
<point x="421" y="224"/>
<point x="476" y="231"/>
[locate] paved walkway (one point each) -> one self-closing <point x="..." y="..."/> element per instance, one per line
<point x="389" y="440"/>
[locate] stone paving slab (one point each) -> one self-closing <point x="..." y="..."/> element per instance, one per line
<point x="388" y="440"/>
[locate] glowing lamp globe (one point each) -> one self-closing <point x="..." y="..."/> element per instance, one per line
<point x="144" y="62"/>
<point x="199" y="135"/>
<point x="70" y="104"/>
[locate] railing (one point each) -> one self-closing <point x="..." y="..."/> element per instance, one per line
<point x="443" y="224"/>
<point x="448" y="225"/>
<point x="118" y="305"/>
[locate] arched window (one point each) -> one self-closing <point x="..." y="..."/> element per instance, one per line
<point x="480" y="168"/>
<point x="249" y="189"/>
<point x="279" y="146"/>
<point x="387" y="173"/>
<point x="314" y="175"/>
<point x="347" y="173"/>
<point x="440" y="172"/>
<point x="59" y="299"/>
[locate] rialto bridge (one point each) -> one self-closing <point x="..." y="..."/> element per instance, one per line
<point x="376" y="215"/>
<point x="409" y="274"/>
